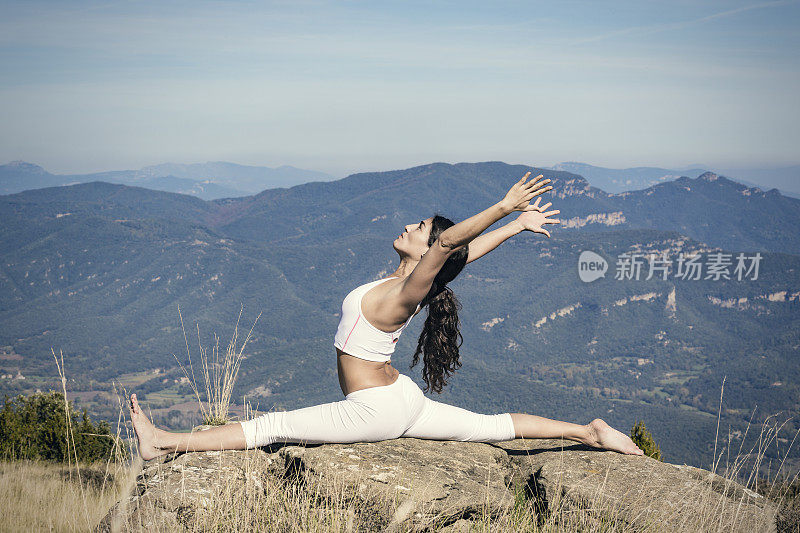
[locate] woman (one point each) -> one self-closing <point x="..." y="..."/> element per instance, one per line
<point x="381" y="403"/>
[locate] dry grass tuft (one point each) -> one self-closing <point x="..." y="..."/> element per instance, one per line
<point x="219" y="376"/>
<point x="37" y="496"/>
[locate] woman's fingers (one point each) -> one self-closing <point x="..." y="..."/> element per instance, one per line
<point x="537" y="192"/>
<point x="535" y="183"/>
<point x="534" y="180"/>
<point x="530" y="193"/>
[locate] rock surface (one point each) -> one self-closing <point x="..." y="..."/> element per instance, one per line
<point x="426" y="484"/>
<point x="640" y="492"/>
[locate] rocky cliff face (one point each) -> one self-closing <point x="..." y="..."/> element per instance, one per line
<point x="422" y="485"/>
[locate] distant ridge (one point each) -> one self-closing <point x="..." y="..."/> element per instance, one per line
<point x="707" y="208"/>
<point x="246" y="178"/>
<point x="615" y="180"/>
<point x="208" y="181"/>
<point x="630" y="179"/>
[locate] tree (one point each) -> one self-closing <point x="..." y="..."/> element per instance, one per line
<point x="644" y="440"/>
<point x="37" y="427"/>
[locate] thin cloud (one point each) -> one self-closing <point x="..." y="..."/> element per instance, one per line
<point x="655" y="28"/>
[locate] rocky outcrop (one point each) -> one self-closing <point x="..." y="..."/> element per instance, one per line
<point x="418" y="485"/>
<point x="639" y="492"/>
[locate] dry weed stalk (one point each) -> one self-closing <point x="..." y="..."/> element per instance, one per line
<point x="70" y="434"/>
<point x="88" y="499"/>
<point x="219" y="376"/>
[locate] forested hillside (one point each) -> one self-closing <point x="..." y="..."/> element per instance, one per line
<point x="99" y="270"/>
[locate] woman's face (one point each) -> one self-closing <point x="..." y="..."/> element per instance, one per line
<point x="414" y="240"/>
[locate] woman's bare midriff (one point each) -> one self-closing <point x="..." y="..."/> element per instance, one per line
<point x="356" y="374"/>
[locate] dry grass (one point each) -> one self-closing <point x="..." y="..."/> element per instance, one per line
<point x="219" y="374"/>
<point x="38" y="496"/>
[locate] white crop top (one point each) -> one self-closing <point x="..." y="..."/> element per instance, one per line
<point x="357" y="337"/>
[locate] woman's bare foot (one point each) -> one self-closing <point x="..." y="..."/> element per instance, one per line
<point x="601" y="435"/>
<point x="146" y="432"/>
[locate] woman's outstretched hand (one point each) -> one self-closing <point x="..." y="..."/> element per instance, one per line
<point x="533" y="218"/>
<point x="521" y="193"/>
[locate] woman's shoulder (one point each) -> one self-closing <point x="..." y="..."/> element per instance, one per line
<point x="381" y="300"/>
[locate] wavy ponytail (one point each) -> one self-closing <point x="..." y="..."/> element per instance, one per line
<point x="440" y="338"/>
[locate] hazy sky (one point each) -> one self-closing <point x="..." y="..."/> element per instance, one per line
<point x="352" y="86"/>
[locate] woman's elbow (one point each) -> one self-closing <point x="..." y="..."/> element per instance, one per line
<point x="455" y="247"/>
<point x="444" y="245"/>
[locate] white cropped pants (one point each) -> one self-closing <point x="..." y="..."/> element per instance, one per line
<point x="378" y="413"/>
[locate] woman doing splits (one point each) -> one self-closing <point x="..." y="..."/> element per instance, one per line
<point x="381" y="403"/>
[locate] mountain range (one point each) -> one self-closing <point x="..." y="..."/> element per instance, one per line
<point x="99" y="271"/>
<point x="214" y="179"/>
<point x="785" y="179"/>
<point x="220" y="179"/>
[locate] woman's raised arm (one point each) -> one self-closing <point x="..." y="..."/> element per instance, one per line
<point x="485" y="243"/>
<point x="416" y="286"/>
<point x="516" y="199"/>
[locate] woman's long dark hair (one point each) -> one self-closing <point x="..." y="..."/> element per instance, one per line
<point x="440" y="337"/>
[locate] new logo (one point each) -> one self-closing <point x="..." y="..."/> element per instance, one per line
<point x="591" y="266"/>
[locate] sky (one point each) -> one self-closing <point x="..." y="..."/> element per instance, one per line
<point x="345" y="87"/>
